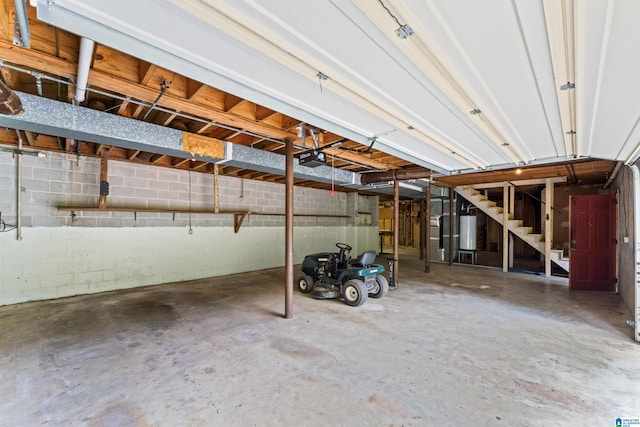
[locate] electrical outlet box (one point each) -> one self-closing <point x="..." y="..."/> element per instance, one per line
<point x="625" y="239"/>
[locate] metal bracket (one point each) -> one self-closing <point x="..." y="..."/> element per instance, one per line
<point x="21" y="32"/>
<point x="568" y="86"/>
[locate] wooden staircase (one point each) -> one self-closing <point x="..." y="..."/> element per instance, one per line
<point x="515" y="226"/>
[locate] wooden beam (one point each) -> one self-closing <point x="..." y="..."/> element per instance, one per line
<point x="194" y="88"/>
<point x="123" y="109"/>
<point x="100" y="79"/>
<point x="11" y="78"/>
<point x="146" y="72"/>
<point x="158" y="157"/>
<point x="6" y="20"/>
<point x="180" y="162"/>
<point x="169" y="119"/>
<point x="132" y="154"/>
<point x="31" y="138"/>
<point x="200" y="166"/>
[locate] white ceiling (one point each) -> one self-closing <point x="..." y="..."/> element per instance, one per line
<point x="507" y="59"/>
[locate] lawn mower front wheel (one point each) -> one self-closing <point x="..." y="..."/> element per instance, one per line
<point x="305" y="283"/>
<point x="354" y="292"/>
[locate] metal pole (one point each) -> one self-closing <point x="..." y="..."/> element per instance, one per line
<point x="450" y="226"/>
<point x="427" y="258"/>
<point x="288" y="291"/>
<point x="548" y="225"/>
<point x="216" y="193"/>
<point x="422" y="219"/>
<point x="19" y="189"/>
<point x="396" y="227"/>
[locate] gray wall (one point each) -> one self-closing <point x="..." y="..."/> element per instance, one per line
<point x="626" y="251"/>
<point x="100" y="251"/>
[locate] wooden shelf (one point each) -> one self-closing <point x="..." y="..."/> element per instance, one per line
<point x="238" y="216"/>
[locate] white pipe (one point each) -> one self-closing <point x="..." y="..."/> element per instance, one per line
<point x="84" y="63"/>
<point x="636" y="241"/>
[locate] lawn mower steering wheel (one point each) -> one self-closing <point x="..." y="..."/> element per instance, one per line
<point x="343" y="246"/>
<point x="342" y="257"/>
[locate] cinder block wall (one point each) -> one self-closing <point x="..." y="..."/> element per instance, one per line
<point x="627" y="275"/>
<point x="61" y="255"/>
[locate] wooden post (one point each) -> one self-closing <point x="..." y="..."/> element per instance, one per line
<point x="104" y="176"/>
<point x="548" y="225"/>
<point x="216" y="193"/>
<point x="288" y="294"/>
<point x="505" y="228"/>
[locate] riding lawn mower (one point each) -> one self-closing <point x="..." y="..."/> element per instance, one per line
<point x="335" y="274"/>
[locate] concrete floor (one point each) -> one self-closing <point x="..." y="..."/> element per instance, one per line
<point x="461" y="346"/>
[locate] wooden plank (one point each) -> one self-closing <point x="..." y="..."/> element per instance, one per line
<point x="158" y="157"/>
<point x="31" y="138"/>
<point x="124" y="109"/>
<point x="11" y="78"/>
<point x="132" y="154"/>
<point x="116" y="64"/>
<point x="194" y="89"/>
<point x="180" y="162"/>
<point x="358" y="158"/>
<point x="7" y="11"/>
<point x="146" y="71"/>
<point x="147" y="210"/>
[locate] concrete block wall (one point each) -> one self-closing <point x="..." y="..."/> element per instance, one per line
<point x="101" y="251"/>
<point x="627" y="275"/>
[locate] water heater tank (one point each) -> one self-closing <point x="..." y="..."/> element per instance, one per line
<point x="468" y="232"/>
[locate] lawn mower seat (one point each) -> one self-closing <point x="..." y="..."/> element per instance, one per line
<point x="366" y="259"/>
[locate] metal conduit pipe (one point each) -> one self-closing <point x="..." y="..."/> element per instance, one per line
<point x="19" y="189"/>
<point x="84" y="63"/>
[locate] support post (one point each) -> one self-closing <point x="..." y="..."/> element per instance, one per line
<point x="422" y="227"/>
<point x="505" y="228"/>
<point x="451" y="226"/>
<point x="396" y="228"/>
<point x="19" y="189"/>
<point x="427" y="257"/>
<point x="512" y="200"/>
<point x="104" y="176"/>
<point x="288" y="292"/>
<point x="548" y="226"/>
<point x="216" y="193"/>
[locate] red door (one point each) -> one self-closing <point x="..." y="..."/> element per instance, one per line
<point x="593" y="243"/>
